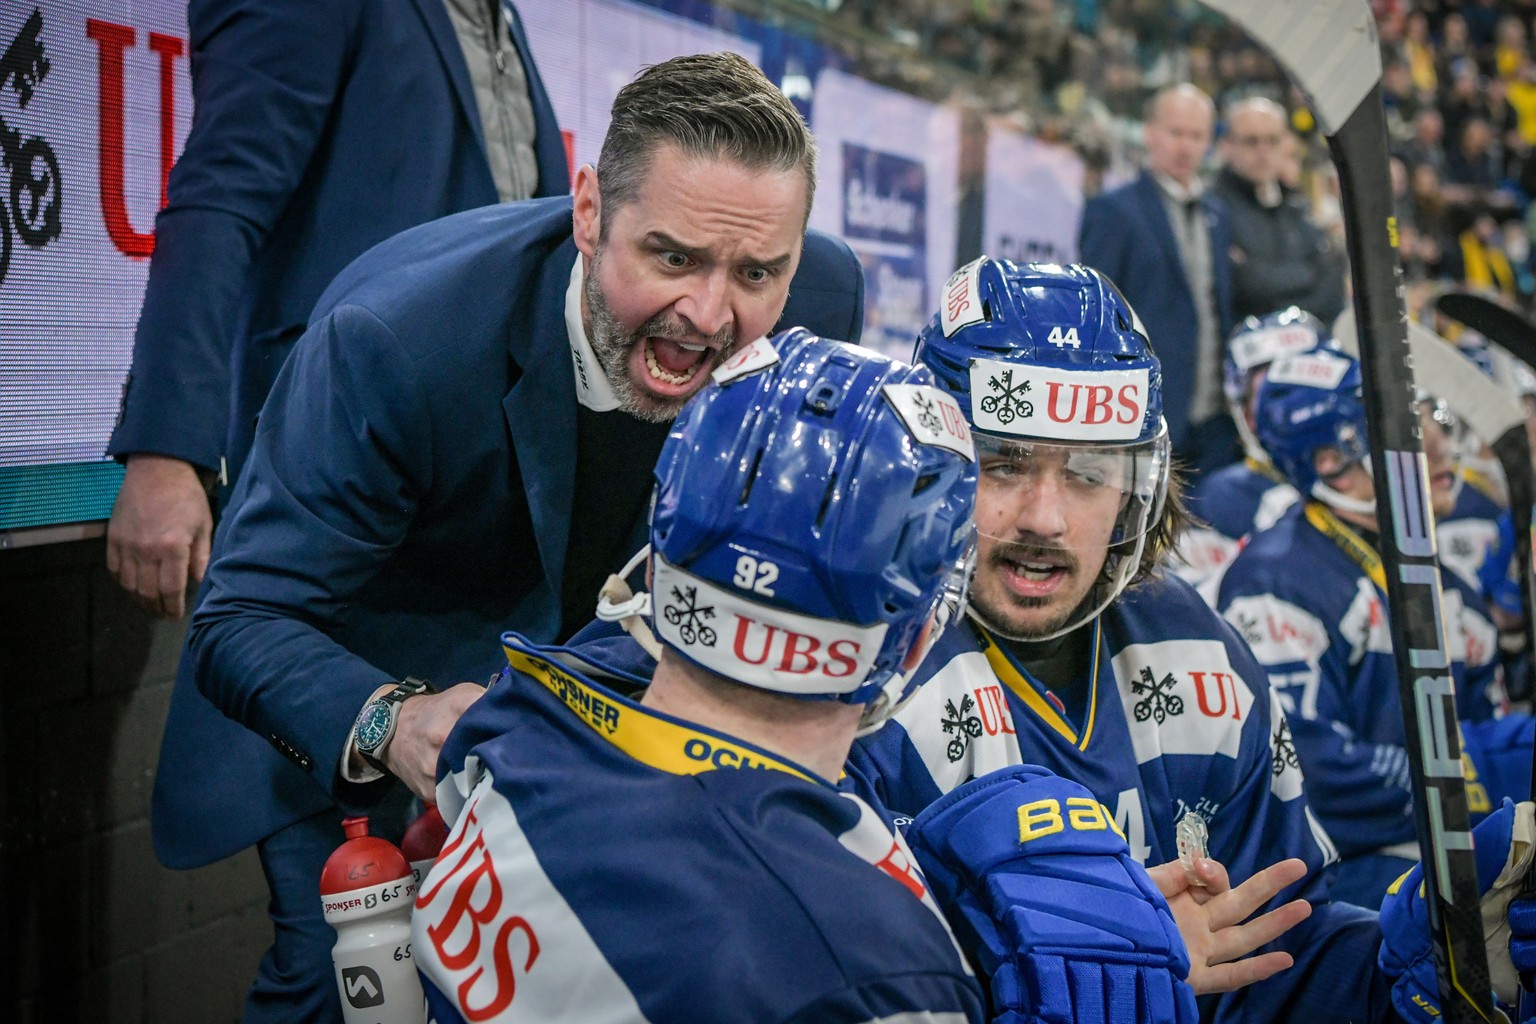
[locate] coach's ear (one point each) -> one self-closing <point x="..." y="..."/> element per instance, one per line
<point x="587" y="211"/>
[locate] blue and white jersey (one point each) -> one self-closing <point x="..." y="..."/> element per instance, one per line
<point x="1315" y="617"/>
<point x="611" y="863"/>
<point x="1233" y="502"/>
<point x="1178" y="717"/>
<point x="1466" y="537"/>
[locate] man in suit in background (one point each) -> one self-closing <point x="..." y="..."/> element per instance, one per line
<point x="461" y="444"/>
<point x="318" y="131"/>
<point x="1164" y="242"/>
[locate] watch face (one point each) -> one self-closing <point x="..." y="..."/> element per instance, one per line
<point x="373" y="725"/>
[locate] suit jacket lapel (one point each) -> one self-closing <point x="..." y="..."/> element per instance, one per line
<point x="541" y="414"/>
<point x="440" y="28"/>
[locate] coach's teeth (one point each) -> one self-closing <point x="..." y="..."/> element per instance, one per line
<point x="665" y="376"/>
<point x="690" y="348"/>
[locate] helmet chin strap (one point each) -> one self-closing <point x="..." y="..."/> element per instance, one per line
<point x="1328" y="496"/>
<point x="618" y="603"/>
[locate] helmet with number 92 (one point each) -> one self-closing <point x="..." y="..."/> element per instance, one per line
<point x="1057" y="378"/>
<point x="812" y="527"/>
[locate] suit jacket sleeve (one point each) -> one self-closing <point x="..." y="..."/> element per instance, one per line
<point x="1100" y="240"/>
<point x="343" y="454"/>
<point x="264" y="76"/>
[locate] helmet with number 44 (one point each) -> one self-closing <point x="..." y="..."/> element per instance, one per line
<point x="1056" y="376"/>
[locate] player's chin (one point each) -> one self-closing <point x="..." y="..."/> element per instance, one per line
<point x="1020" y="618"/>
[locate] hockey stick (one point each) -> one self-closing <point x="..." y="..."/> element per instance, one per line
<point x="1516" y="336"/>
<point x="1330" y="50"/>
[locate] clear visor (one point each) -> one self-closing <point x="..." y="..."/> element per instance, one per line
<point x="1068" y="520"/>
<point x="1071" y="495"/>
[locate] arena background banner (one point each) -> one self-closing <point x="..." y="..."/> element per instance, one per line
<point x="95" y="102"/>
<point x="889" y="185"/>
<point x="1034" y="199"/>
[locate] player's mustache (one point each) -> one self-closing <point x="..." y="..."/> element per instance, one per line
<point x="1032" y="551"/>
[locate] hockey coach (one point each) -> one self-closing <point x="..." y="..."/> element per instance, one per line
<point x="462" y="443"/>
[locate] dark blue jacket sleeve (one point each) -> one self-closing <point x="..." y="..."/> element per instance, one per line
<point x="264" y="76"/>
<point x="313" y="522"/>
<point x="1101" y="239"/>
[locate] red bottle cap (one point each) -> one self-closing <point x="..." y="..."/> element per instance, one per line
<point x="362" y="861"/>
<point x="425" y="838"/>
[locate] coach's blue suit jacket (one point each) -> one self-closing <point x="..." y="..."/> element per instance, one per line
<point x="1125" y="234"/>
<point x="407" y="499"/>
<point x="321" y="129"/>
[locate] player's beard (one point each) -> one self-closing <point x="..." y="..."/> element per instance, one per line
<point x="612" y="345"/>
<point x="999" y="619"/>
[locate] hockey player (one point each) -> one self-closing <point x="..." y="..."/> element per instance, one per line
<point x="1237" y="499"/>
<point x="610" y="861"/>
<point x="1073" y="656"/>
<point x="1309" y="596"/>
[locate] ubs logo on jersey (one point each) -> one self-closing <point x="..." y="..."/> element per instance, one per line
<point x="1277" y="631"/>
<point x="684" y="613"/>
<point x="1182" y="697"/>
<point x="1285" y="764"/>
<point x="479" y="941"/>
<point x="1157" y="701"/>
<point x="961" y="724"/>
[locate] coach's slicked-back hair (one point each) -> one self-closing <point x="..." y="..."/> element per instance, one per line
<point x="709" y="105"/>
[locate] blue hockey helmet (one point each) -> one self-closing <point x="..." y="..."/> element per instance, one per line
<point x="812" y="516"/>
<point x="1309" y="401"/>
<point x="1260" y="340"/>
<point x="1053" y="367"/>
<point x="1252" y="346"/>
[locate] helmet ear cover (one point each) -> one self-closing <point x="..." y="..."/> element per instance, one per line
<point x="812" y="507"/>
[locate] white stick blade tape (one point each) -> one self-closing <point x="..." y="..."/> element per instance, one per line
<point x="1329" y="47"/>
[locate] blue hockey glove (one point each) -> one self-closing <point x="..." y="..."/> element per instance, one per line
<point x="1042" y="890"/>
<point x="1503" y="845"/>
<point x="1500" y="751"/>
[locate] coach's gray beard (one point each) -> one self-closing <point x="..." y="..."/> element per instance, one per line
<point x="612" y="345"/>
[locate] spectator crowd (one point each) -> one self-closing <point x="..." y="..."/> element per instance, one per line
<point x="1459" y="84"/>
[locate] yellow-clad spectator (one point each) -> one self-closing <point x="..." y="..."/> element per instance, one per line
<point x="1522" y="96"/>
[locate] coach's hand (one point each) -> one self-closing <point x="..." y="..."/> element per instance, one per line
<point x="158" y="537"/>
<point x="423" y="724"/>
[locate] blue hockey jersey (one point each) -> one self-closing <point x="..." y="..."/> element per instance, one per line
<point x="1315" y="617"/>
<point x="611" y="863"/>
<point x="1233" y="502"/>
<point x="1179" y="717"/>
<point x="1468" y="535"/>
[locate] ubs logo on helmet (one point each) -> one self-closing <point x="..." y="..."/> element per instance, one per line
<point x="791" y="652"/>
<point x="1073" y="405"/>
